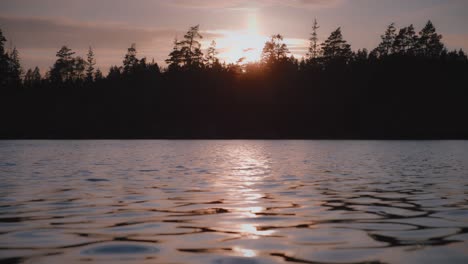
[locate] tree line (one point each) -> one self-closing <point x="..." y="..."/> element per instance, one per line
<point x="409" y="86"/>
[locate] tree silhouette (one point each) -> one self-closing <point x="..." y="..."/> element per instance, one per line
<point x="406" y="42"/>
<point x="275" y="50"/>
<point x="187" y="53"/>
<point x="10" y="67"/>
<point x="385" y="47"/>
<point x="63" y="68"/>
<point x="79" y="67"/>
<point x="361" y="56"/>
<point x="210" y="59"/>
<point x="3" y="62"/>
<point x="429" y="42"/>
<point x="130" y="62"/>
<point x="462" y="55"/>
<point x="114" y="73"/>
<point x="2" y="43"/>
<point x="14" y="69"/>
<point x="90" y="63"/>
<point x="410" y="86"/>
<point x="36" y="76"/>
<point x="191" y="47"/>
<point x="32" y="78"/>
<point x="314" y="47"/>
<point x="175" y="59"/>
<point x="98" y="75"/>
<point x="154" y="68"/>
<point x="336" y="49"/>
<point x="28" y="78"/>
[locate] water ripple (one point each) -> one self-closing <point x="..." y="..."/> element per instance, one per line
<point x="319" y="202"/>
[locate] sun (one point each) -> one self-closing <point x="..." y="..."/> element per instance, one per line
<point x="247" y="44"/>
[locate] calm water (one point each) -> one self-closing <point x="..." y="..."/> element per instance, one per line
<point x="242" y="202"/>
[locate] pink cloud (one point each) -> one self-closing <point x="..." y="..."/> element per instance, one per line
<point x="38" y="39"/>
<point x="456" y="41"/>
<point x="254" y="3"/>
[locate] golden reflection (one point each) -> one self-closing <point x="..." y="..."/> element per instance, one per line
<point x="252" y="231"/>
<point x="255" y="210"/>
<point x="252" y="196"/>
<point x="248" y="253"/>
<point x="244" y="169"/>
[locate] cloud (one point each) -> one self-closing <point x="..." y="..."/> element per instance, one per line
<point x="306" y="3"/>
<point x="38" y="39"/>
<point x="253" y="3"/>
<point x="29" y="32"/>
<point x="456" y="41"/>
<point x="206" y="3"/>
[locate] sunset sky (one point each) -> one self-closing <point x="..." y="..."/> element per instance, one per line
<point x="38" y="28"/>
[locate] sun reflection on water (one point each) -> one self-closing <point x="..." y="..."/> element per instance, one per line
<point x="231" y="201"/>
<point x="252" y="231"/>
<point x="245" y="168"/>
<point x="254" y="210"/>
<point x="248" y="253"/>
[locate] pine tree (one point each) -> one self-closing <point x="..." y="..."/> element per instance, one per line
<point x="335" y="49"/>
<point x="90" y="63"/>
<point x="130" y="62"/>
<point x="32" y="78"/>
<point x="406" y="42"/>
<point x="385" y="47"/>
<point x="28" y="79"/>
<point x="114" y="73"/>
<point x="10" y="67"/>
<point x="462" y="56"/>
<point x="64" y="65"/>
<point x="36" y="76"/>
<point x="275" y="50"/>
<point x="175" y="57"/>
<point x="2" y="43"/>
<point x="187" y="52"/>
<point x="153" y="69"/>
<point x="65" y="54"/>
<point x="3" y="62"/>
<point x="456" y="55"/>
<point x="191" y="47"/>
<point x="98" y="75"/>
<point x="210" y="59"/>
<point x="429" y="42"/>
<point x="361" y="56"/>
<point x="314" y="48"/>
<point x="79" y="67"/>
<point x="141" y="67"/>
<point x="14" y="68"/>
<point x="302" y="64"/>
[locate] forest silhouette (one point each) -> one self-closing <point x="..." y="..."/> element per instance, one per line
<point x="409" y="87"/>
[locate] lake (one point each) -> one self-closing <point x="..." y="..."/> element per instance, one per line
<point x="244" y="202"/>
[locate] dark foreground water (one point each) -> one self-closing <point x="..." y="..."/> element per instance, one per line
<point x="241" y="202"/>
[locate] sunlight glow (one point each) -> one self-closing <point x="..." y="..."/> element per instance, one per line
<point x="247" y="44"/>
<point x="252" y="24"/>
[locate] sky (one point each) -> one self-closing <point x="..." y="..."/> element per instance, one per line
<point x="38" y="28"/>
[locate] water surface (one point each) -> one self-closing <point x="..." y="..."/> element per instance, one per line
<point x="242" y="202"/>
